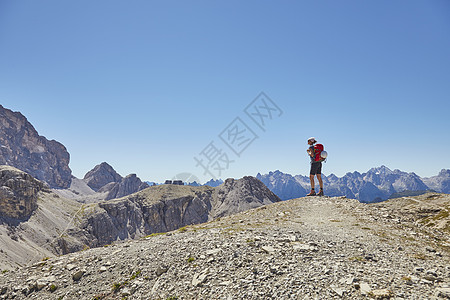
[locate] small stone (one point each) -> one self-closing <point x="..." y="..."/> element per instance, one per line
<point x="161" y="270"/>
<point x="126" y="292"/>
<point x="103" y="269"/>
<point x="41" y="283"/>
<point x="213" y="252"/>
<point x="198" y="279"/>
<point x="77" y="275"/>
<point x="70" y="267"/>
<point x="381" y="294"/>
<point x="365" y="288"/>
<point x="268" y="249"/>
<point x="292" y="238"/>
<point x="339" y="291"/>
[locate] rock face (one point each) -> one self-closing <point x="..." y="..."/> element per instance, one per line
<point x="18" y="193"/>
<point x="126" y="186"/>
<point x="23" y="148"/>
<point x="103" y="178"/>
<point x="168" y="207"/>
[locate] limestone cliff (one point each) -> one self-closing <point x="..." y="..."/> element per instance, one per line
<point x="23" y="148"/>
<point x="18" y="193"/>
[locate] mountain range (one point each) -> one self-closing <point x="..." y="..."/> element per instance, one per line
<point x="375" y="185"/>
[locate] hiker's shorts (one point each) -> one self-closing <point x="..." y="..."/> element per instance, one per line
<point x="316" y="168"/>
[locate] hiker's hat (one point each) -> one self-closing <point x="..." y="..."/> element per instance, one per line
<point x="312" y="139"/>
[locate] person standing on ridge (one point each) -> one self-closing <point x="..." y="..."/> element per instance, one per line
<point x="316" y="169"/>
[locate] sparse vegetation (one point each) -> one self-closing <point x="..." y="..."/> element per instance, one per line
<point x="356" y="258"/>
<point x="190" y="259"/>
<point x="117" y="286"/>
<point x="135" y="274"/>
<point x="154" y="234"/>
<point x="53" y="288"/>
<point x="420" y="256"/>
<point x="183" y="229"/>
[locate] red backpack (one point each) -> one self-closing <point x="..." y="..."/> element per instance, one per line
<point x="318" y="148"/>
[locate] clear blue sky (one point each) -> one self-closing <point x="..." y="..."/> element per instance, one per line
<point x="147" y="85"/>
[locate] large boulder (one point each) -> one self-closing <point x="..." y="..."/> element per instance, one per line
<point x="23" y="148"/>
<point x="18" y="193"/>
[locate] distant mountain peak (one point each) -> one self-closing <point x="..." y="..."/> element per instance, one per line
<point x="381" y="170"/>
<point x="101" y="175"/>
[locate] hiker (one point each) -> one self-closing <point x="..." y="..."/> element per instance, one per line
<point x="316" y="168"/>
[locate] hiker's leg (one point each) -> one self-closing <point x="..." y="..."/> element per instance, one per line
<point x="319" y="177"/>
<point x="311" y="179"/>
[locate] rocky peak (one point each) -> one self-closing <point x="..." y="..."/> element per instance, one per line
<point x="126" y="186"/>
<point x="242" y="194"/>
<point x="23" y="148"/>
<point x="18" y="193"/>
<point x="214" y="182"/>
<point x="444" y="173"/>
<point x="100" y="176"/>
<point x="383" y="170"/>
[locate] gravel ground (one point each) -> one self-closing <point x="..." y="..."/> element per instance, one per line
<point x="306" y="248"/>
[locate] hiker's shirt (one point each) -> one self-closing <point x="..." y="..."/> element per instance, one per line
<point x="311" y="155"/>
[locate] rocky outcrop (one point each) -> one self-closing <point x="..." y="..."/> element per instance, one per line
<point x="126" y="186"/>
<point x="23" y="148"/>
<point x="100" y="176"/>
<point x="168" y="207"/>
<point x="234" y="196"/>
<point x="18" y="193"/>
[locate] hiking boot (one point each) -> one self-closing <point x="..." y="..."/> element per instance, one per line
<point x="320" y="193"/>
<point x="312" y="193"/>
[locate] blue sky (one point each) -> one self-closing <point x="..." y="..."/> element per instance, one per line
<point x="148" y="85"/>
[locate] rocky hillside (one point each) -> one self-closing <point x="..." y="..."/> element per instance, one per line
<point x="23" y="148"/>
<point x="307" y="248"/>
<point x="377" y="184"/>
<point x="18" y="193"/>
<point x="58" y="225"/>
<point x="32" y="218"/>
